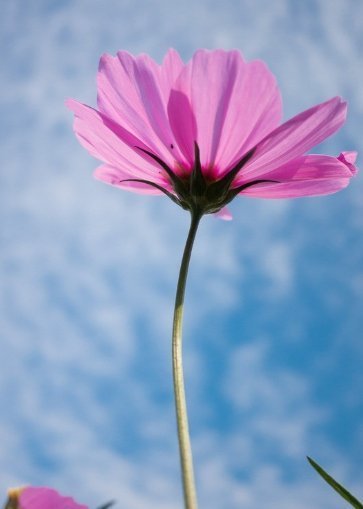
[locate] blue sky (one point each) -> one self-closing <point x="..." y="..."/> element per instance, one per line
<point x="273" y="332"/>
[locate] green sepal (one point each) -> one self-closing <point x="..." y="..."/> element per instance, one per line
<point x="335" y="485"/>
<point x="198" y="184"/>
<point x="233" y="192"/>
<point x="222" y="186"/>
<point x="177" y="183"/>
<point x="152" y="184"/>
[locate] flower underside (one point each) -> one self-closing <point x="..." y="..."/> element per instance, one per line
<point x="142" y="107"/>
<point x="194" y="192"/>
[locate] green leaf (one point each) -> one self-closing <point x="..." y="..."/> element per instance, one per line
<point x="336" y="486"/>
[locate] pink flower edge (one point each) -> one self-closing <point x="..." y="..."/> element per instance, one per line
<point x="46" y="498"/>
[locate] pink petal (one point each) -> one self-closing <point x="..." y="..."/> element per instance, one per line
<point x="171" y="67"/>
<point x="224" y="214"/>
<point x="305" y="176"/>
<point x="349" y="159"/>
<point x="254" y="110"/>
<point x="117" y="95"/>
<point x="296" y="136"/>
<point x="116" y="177"/>
<point x="183" y="124"/>
<point x="296" y="189"/>
<point x="133" y="91"/>
<point x="310" y="167"/>
<point x="223" y="103"/>
<point x="46" y="498"/>
<point x="111" y="143"/>
<point x="202" y="92"/>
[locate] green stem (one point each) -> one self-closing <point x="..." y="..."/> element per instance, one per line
<point x="185" y="451"/>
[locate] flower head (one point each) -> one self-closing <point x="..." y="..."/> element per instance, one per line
<point x="206" y="131"/>
<point x="31" y="497"/>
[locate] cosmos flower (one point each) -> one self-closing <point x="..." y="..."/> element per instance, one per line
<point x="206" y="131"/>
<point x="31" y="497"/>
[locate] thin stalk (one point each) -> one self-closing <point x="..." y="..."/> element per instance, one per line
<point x="185" y="451"/>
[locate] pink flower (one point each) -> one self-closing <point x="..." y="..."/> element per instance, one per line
<point x="206" y="131"/>
<point x="39" y="498"/>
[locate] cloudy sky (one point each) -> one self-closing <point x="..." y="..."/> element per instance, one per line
<point x="273" y="332"/>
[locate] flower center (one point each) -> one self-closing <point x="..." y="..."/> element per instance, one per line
<point x="194" y="191"/>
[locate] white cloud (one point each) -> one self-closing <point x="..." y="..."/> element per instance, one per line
<point x="276" y="401"/>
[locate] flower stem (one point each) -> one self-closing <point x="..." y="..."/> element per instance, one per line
<point x="185" y="451"/>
